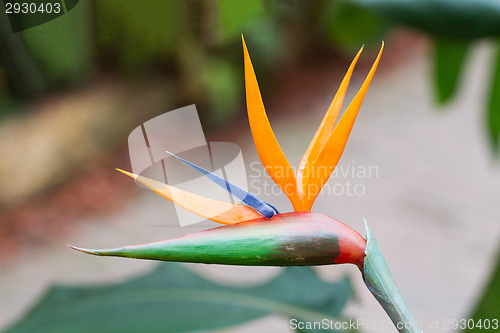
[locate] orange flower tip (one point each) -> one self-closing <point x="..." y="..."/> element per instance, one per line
<point x="83" y="250"/>
<point x="130" y="174"/>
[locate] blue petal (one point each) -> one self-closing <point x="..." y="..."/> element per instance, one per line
<point x="249" y="199"/>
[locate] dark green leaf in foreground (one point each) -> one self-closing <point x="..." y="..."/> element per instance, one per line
<point x="449" y="59"/>
<point x="174" y="299"/>
<point x="493" y="116"/>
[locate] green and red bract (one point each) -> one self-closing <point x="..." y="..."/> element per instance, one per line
<point x="289" y="239"/>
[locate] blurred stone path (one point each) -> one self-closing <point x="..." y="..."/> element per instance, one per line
<point x="432" y="202"/>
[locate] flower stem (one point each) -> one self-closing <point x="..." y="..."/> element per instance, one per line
<point x="379" y="281"/>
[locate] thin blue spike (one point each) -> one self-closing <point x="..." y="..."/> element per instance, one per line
<point x="249" y="199"/>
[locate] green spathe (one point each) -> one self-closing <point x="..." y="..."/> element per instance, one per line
<point x="290" y="239"/>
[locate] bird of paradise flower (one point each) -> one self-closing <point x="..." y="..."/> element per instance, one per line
<point x="255" y="233"/>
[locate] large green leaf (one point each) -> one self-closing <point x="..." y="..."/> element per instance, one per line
<point x="493" y="116"/>
<point x="175" y="299"/>
<point x="446" y="18"/>
<point x="449" y="59"/>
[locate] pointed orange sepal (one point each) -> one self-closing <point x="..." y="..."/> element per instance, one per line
<point x="327" y="159"/>
<point x="210" y="209"/>
<point x="324" y="131"/>
<point x="268" y="148"/>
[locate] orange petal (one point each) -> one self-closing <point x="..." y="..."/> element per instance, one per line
<point x="325" y="129"/>
<point x="329" y="156"/>
<point x="268" y="148"/>
<point x="214" y="210"/>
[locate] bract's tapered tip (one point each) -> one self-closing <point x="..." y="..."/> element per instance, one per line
<point x="93" y="252"/>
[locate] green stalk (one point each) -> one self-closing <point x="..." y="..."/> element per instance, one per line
<point x="379" y="281"/>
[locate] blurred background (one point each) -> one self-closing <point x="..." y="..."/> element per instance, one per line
<point x="74" y="85"/>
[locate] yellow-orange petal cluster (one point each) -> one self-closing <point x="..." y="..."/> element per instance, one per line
<point x="325" y="149"/>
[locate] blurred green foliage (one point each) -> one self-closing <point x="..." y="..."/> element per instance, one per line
<point x="173" y="298"/>
<point x="449" y="59"/>
<point x="138" y="33"/>
<point x="62" y="47"/>
<point x="194" y="43"/>
<point x="493" y="118"/>
<point x="235" y="15"/>
<point x="197" y="43"/>
<point x="489" y="305"/>
<point x="350" y="26"/>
